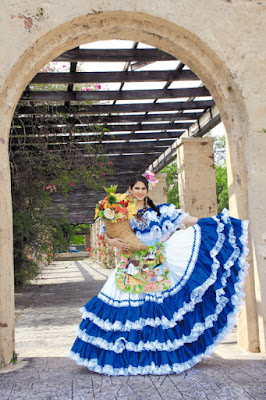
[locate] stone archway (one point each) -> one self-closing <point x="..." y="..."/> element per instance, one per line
<point x="174" y="35"/>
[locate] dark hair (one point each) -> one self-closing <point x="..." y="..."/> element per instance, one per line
<point x="141" y="178"/>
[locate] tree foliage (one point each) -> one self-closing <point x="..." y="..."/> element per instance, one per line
<point x="172" y="183"/>
<point x="46" y="155"/>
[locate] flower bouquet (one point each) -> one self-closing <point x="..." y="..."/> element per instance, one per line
<point x="115" y="210"/>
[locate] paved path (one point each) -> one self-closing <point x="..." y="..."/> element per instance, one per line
<point x="47" y="317"/>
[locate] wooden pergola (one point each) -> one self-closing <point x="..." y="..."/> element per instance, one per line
<point x="140" y="126"/>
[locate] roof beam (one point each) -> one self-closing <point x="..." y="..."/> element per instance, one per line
<point x="114" y="55"/>
<point x="89" y="137"/>
<point x="110" y="128"/>
<point x="103" y="77"/>
<point x="112" y="94"/>
<point x="109" y="119"/>
<point x="117" y="108"/>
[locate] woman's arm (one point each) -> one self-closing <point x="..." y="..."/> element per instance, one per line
<point x="189" y="220"/>
<point x="116" y="242"/>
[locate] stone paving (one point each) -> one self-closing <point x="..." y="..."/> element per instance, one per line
<point x="47" y="317"/>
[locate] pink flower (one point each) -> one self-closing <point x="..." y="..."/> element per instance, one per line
<point x="103" y="173"/>
<point x="100" y="164"/>
<point x="154" y="286"/>
<point x="168" y="282"/>
<point x="98" y="87"/>
<point x="110" y="162"/>
<point x="64" y="66"/>
<point x="72" y="184"/>
<point x="160" y="286"/>
<point x="147" y="288"/>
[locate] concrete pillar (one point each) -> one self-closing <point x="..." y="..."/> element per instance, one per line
<point x="247" y="322"/>
<point x="7" y="320"/>
<point x="196" y="176"/>
<point x="159" y="193"/>
<point x="87" y="239"/>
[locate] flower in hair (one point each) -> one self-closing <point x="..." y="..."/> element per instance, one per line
<point x="150" y="176"/>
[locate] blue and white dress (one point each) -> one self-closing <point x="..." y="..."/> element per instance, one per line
<point x="170" y="331"/>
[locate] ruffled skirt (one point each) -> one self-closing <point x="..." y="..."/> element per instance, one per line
<point x="169" y="332"/>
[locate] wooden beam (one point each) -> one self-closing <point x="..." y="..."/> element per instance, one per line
<point x="114" y="76"/>
<point x="109" y="128"/>
<point x="111" y="147"/>
<point x="111" y="109"/>
<point x="26" y="121"/>
<point x="112" y="94"/>
<point x="89" y="137"/>
<point x="114" y="55"/>
<point x="105" y="151"/>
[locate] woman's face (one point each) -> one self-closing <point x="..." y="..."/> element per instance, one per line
<point x="139" y="191"/>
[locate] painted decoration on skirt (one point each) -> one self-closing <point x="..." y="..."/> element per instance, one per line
<point x="143" y="271"/>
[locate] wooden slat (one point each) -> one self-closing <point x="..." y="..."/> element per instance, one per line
<point x="114" y="76"/>
<point x="89" y="137"/>
<point x="113" y="94"/>
<point x="110" y="119"/>
<point x="114" y="55"/>
<point x="124" y="147"/>
<point x="111" y="109"/>
<point x="114" y="128"/>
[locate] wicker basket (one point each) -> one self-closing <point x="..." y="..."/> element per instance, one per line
<point x="122" y="230"/>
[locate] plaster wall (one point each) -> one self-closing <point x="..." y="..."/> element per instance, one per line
<point x="223" y="42"/>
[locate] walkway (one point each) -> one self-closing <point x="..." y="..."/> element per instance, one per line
<point x="47" y="316"/>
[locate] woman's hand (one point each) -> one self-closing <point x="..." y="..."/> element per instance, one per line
<point x="119" y="243"/>
<point x="116" y="242"/>
<point x="189" y="220"/>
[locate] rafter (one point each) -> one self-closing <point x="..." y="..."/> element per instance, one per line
<point x="113" y="94"/>
<point x="112" y="128"/>
<point x="103" y="77"/>
<point x="111" y="109"/>
<point x="110" y="119"/>
<point x="127" y="55"/>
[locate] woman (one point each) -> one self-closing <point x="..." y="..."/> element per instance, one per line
<point x="167" y="331"/>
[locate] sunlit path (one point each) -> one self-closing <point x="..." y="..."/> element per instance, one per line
<point x="46" y="327"/>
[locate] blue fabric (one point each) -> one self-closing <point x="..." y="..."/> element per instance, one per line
<point x="175" y="334"/>
<point x="157" y="225"/>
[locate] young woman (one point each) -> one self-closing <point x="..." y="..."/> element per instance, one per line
<point x="167" y="331"/>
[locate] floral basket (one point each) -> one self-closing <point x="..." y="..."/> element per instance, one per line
<point x="122" y="230"/>
<point x="115" y="210"/>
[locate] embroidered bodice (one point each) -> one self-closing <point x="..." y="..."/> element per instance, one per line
<point x="158" y="228"/>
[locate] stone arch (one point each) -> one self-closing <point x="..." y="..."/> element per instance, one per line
<point x="158" y="32"/>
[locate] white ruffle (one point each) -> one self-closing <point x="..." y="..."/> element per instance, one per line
<point x="122" y="344"/>
<point x="177" y="368"/>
